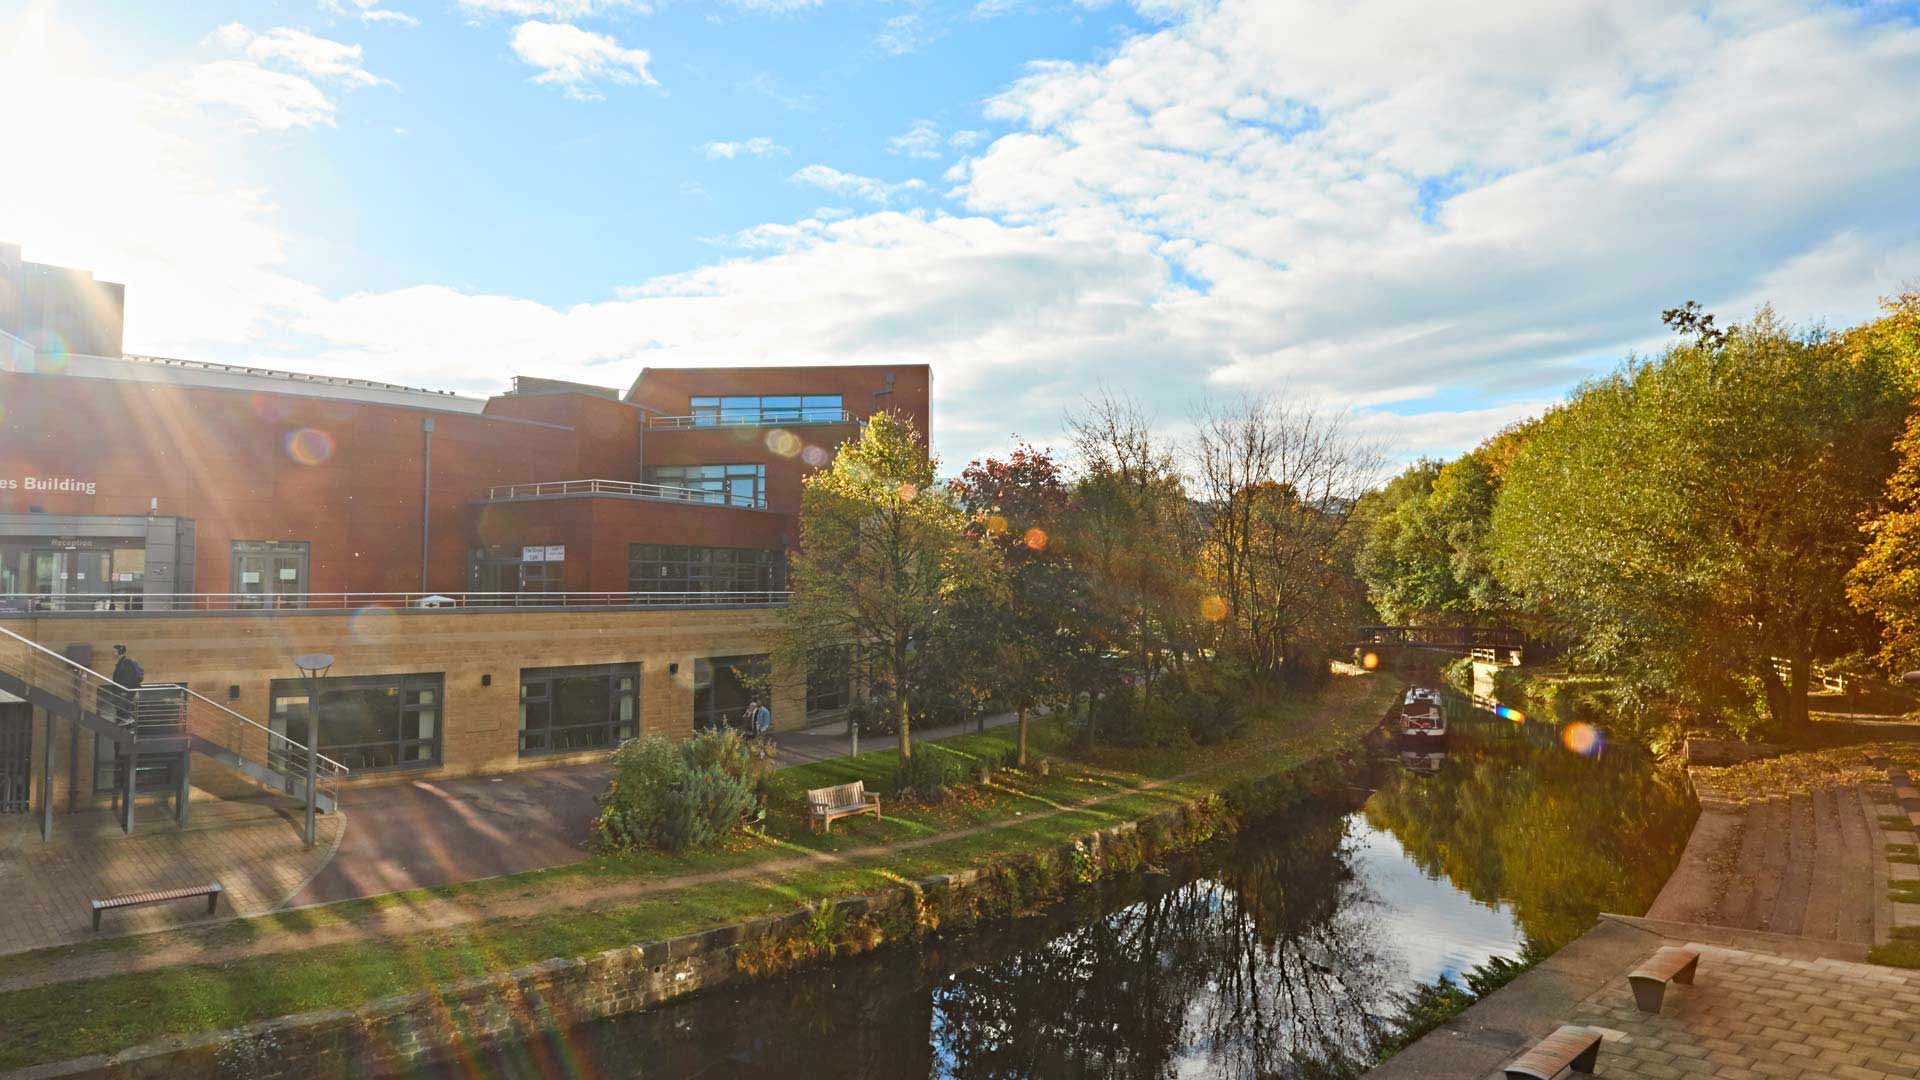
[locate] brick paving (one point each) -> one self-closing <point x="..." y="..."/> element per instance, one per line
<point x="1753" y="1014"/>
<point x="251" y="847"/>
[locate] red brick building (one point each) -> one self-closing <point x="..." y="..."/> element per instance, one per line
<point x="503" y="582"/>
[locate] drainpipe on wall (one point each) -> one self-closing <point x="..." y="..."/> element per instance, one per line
<point x="426" y="497"/>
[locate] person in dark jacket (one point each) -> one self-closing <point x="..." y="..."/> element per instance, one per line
<point x="128" y="673"/>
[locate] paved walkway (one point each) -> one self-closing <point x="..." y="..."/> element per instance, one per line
<point x="251" y="847"/>
<point x="1761" y="1006"/>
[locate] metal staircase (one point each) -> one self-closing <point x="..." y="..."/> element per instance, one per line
<point x="162" y="719"/>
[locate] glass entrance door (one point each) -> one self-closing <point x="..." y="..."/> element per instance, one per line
<point x="62" y="573"/>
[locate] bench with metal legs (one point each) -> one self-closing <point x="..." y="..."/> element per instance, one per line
<point x="159" y="896"/>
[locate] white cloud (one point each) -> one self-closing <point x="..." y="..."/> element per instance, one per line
<point x="321" y="58"/>
<point x="966" y="139"/>
<point x="845" y="183"/>
<point x="370" y="12"/>
<point x="259" y="99"/>
<point x="920" y="140"/>
<point x="578" y="60"/>
<point x="758" y="146"/>
<point x="906" y="33"/>
<point x="547" y="9"/>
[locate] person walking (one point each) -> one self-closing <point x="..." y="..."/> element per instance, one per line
<point x="759" y="719"/>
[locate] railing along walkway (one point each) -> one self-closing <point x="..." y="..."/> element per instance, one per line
<point x="554" y="489"/>
<point x="121" y="603"/>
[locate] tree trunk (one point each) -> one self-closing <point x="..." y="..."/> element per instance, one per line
<point x="1021" y="715"/>
<point x="906" y="729"/>
<point x="1800" y="670"/>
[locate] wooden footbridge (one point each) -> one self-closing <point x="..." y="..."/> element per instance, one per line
<point x="1500" y="644"/>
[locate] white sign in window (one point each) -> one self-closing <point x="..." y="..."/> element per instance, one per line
<point x="288" y="573"/>
<point x="249" y="577"/>
<point x="556" y="553"/>
<point x="533" y="554"/>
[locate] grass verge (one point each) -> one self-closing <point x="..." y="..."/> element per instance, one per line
<point x="101" y="1015"/>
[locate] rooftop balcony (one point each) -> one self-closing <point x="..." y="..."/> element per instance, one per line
<point x="622" y="489"/>
<point x="30" y="604"/>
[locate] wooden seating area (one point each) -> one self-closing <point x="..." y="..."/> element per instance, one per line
<point x="159" y="896"/>
<point x="1570" y="1047"/>
<point x="841" y="800"/>
<point x="1650" y="979"/>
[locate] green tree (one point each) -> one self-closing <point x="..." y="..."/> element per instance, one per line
<point x="883" y="555"/>
<point x="1017" y="504"/>
<point x="1886" y="583"/>
<point x="1404" y="560"/>
<point x="1692" y="518"/>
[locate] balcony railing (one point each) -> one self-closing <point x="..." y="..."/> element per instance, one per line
<point x="123" y="603"/>
<point x="551" y="489"/>
<point x="754" y="418"/>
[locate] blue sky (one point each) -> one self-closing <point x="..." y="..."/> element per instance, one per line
<point x="1438" y="215"/>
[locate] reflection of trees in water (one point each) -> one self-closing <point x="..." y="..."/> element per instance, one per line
<point x="1266" y="969"/>
<point x="1560" y="836"/>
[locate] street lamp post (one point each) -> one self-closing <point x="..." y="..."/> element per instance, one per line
<point x="312" y="666"/>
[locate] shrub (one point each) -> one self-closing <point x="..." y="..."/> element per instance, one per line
<point x="679" y="796"/>
<point x="929" y="771"/>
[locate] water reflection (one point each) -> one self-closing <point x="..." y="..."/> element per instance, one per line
<point x="1286" y="956"/>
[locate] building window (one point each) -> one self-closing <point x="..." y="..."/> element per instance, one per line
<point x="578" y="708"/>
<point x="271" y="569"/>
<point x="755" y="409"/>
<point x="829" y="681"/>
<point x="518" y="568"/>
<point x="724" y="685"/>
<point x="729" y="485"/>
<point x="366" y="723"/>
<point x="676" y="568"/>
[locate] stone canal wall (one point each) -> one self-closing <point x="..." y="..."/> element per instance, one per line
<point x="401" y="1033"/>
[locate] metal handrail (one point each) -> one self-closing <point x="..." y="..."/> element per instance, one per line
<point x="241" y="723"/>
<point x="754" y="418"/>
<point x="80" y="680"/>
<point x="627" y="488"/>
<point x="123" y="603"/>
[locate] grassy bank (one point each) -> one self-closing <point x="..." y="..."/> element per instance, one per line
<point x="270" y="966"/>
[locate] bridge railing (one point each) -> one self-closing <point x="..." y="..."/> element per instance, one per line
<point x="1444" y="637"/>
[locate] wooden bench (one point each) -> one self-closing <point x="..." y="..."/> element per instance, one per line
<point x="159" y="896"/>
<point x="1575" y="1048"/>
<point x="1650" y="979"/>
<point x="841" y="800"/>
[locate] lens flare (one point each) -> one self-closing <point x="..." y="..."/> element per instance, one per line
<point x="271" y="407"/>
<point x="1037" y="539"/>
<point x="309" y="446"/>
<point x="1582" y="738"/>
<point x="369" y="624"/>
<point x="52" y="357"/>
<point x="907" y="492"/>
<point x="783" y="442"/>
<point x="1213" y="608"/>
<point x="1370" y="661"/>
<point x="1506" y="713"/>
<point x="814" y="456"/>
<point x="996" y="524"/>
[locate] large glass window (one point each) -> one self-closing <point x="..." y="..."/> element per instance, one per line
<point x="518" y="568"/>
<point x="747" y="409"/>
<point x="829" y="681"/>
<point x="578" y="708"/>
<point x="366" y="723"/>
<point x="677" y="568"/>
<point x="724" y="685"/>
<point x="273" y="570"/>
<point x="733" y="485"/>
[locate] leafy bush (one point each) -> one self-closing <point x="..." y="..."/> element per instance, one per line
<point x="679" y="796"/>
<point x="928" y="772"/>
<point x="1204" y="706"/>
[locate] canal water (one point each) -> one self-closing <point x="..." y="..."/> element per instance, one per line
<point x="1288" y="954"/>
